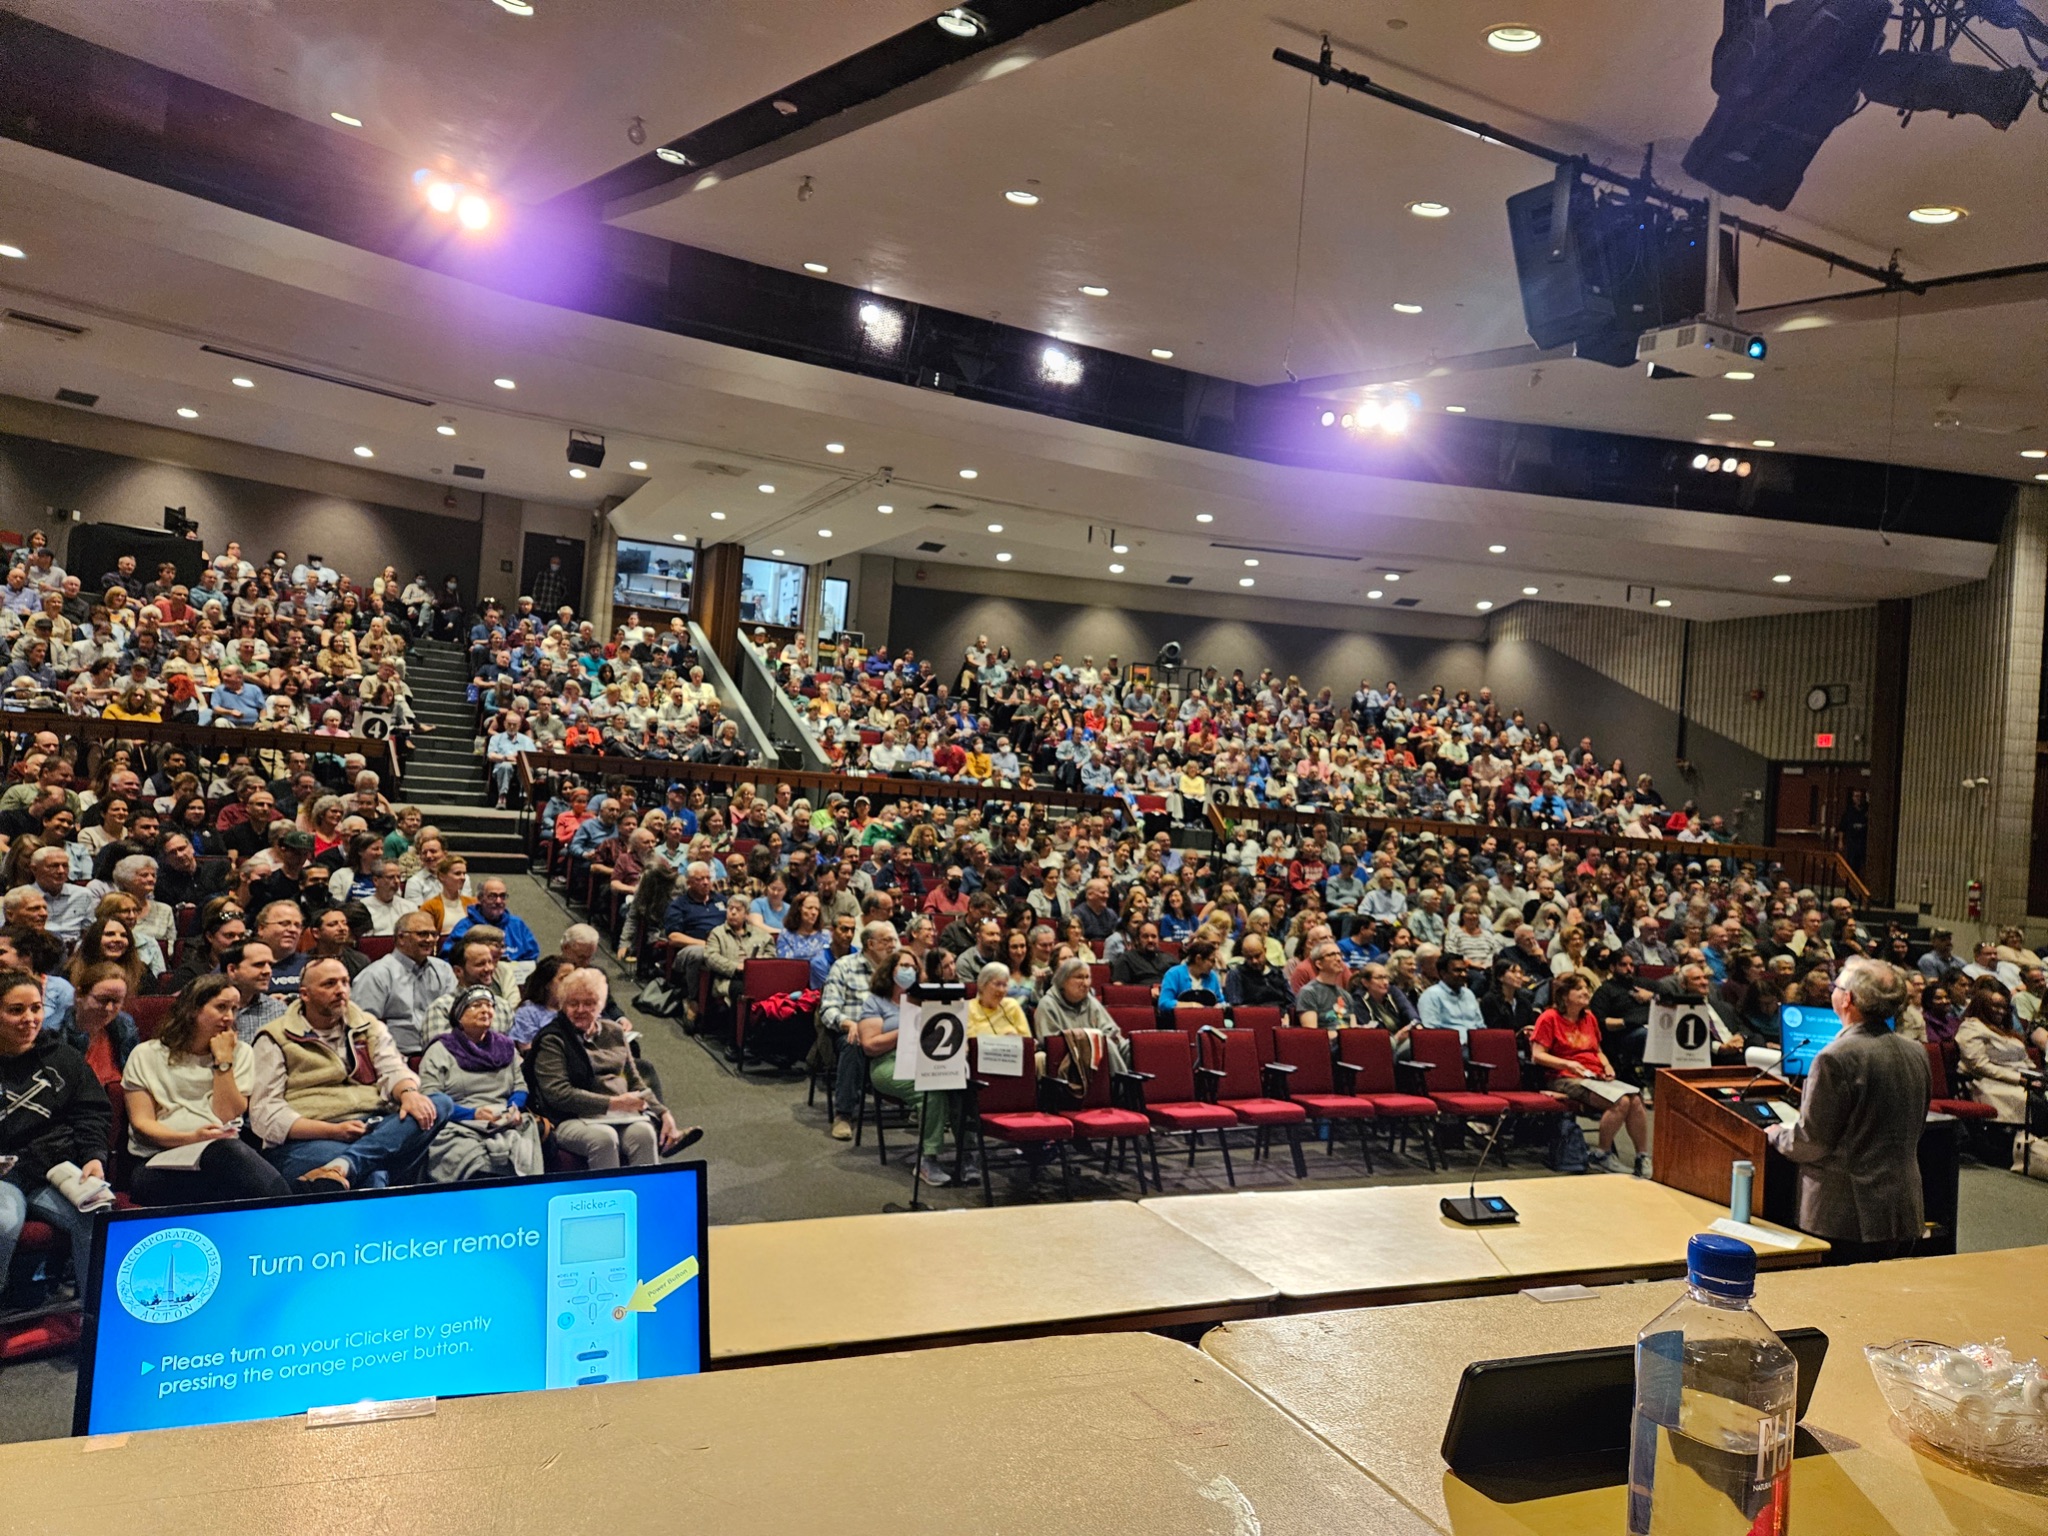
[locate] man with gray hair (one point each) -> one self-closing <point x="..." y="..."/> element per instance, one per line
<point x="71" y="906"/>
<point x="840" y="1007"/>
<point x="136" y="875"/>
<point x="690" y="920"/>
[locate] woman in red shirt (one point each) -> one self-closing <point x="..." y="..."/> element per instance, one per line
<point x="1567" y="1041"/>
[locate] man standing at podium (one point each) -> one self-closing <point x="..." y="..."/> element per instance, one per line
<point x="1857" y="1138"/>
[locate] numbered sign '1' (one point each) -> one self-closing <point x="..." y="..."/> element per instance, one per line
<point x="1681" y="1035"/>
<point x="931" y="1045"/>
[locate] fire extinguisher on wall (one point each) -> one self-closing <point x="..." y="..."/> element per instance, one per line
<point x="1975" y="893"/>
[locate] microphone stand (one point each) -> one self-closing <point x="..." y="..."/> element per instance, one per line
<point x="1470" y="1210"/>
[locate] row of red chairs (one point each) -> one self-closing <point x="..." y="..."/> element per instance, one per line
<point x="1280" y="1080"/>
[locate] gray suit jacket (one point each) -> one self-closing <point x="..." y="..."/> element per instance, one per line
<point x="1858" y="1138"/>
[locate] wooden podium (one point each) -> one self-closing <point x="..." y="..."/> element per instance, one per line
<point x="1699" y="1139"/>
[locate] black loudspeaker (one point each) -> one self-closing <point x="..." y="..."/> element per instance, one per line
<point x="1596" y="273"/>
<point x="1564" y="284"/>
<point x="94" y="547"/>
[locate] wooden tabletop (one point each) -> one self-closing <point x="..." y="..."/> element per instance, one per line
<point x="1391" y="1243"/>
<point x="1378" y="1385"/>
<point x="793" y="1288"/>
<point x="1127" y="1433"/>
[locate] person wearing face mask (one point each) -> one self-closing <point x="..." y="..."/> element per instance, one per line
<point x="875" y="1035"/>
<point x="1450" y="1003"/>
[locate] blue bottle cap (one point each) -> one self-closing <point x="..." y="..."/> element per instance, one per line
<point x="1722" y="1266"/>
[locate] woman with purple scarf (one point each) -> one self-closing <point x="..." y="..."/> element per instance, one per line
<point x="490" y="1135"/>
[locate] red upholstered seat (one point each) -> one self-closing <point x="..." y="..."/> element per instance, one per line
<point x="1096" y="1117"/>
<point x="1131" y="1019"/>
<point x="1125" y="994"/>
<point x="1441" y="1055"/>
<point x="1368" y="1056"/>
<point x="1027" y="1125"/>
<point x="1261" y="1021"/>
<point x="1471" y="1106"/>
<point x="1005" y="1109"/>
<point x="1497" y="1048"/>
<point x="1232" y="1058"/>
<point x="150" y="1014"/>
<point x="1165" y="1064"/>
<point x="1941" y="1103"/>
<point x="1093" y="1123"/>
<point x="1191" y="1020"/>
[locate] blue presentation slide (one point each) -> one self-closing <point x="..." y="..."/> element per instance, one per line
<point x="227" y="1313"/>
<point x="1802" y="1032"/>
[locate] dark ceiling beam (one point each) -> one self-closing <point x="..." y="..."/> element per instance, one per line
<point x="918" y="65"/>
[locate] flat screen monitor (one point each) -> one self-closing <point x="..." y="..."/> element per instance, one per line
<point x="218" y="1314"/>
<point x="1801" y="1033"/>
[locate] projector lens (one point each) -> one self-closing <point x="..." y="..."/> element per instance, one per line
<point x="1756" y="348"/>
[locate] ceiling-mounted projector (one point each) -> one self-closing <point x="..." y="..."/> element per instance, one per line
<point x="1701" y="348"/>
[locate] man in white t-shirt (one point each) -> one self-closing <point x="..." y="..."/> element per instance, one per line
<point x="386" y="904"/>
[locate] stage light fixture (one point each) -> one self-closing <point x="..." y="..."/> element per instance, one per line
<point x="882" y="326"/>
<point x="441" y="196"/>
<point x="1329" y="418"/>
<point x="473" y="211"/>
<point x="1060" y="367"/>
<point x="1935" y="82"/>
<point x="1699" y="461"/>
<point x="1394" y="419"/>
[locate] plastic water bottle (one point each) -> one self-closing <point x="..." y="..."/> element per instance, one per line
<point x="1710" y="1450"/>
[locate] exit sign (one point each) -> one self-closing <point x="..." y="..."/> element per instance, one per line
<point x="1824" y="740"/>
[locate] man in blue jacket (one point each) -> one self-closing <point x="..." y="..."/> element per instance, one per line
<point x="491" y="910"/>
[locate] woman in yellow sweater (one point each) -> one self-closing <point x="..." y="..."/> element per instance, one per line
<point x="991" y="1011"/>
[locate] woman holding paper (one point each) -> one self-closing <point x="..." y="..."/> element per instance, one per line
<point x="489" y="1136"/>
<point x="1567" y="1041"/>
<point x="186" y="1092"/>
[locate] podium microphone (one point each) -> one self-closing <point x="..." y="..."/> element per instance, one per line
<point x="1472" y="1210"/>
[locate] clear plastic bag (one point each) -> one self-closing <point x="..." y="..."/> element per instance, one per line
<point x="1973" y="1401"/>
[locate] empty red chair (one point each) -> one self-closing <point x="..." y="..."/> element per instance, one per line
<point x="1191" y="1020"/>
<point x="1125" y="994"/>
<point x="1261" y="1021"/>
<point x="1304" y="1056"/>
<point x="1164" y="1062"/>
<point x="1095" y="1115"/>
<point x="762" y="978"/>
<point x="1133" y="1020"/>
<point x="1496" y="1049"/>
<point x="1438" y="1055"/>
<point x="1006" y="1109"/>
<point x="150" y="1014"/>
<point x="1942" y="1103"/>
<point x="1231" y="1067"/>
<point x="376" y="946"/>
<point x="1170" y="948"/>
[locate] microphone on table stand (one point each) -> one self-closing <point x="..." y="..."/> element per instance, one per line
<point x="1471" y="1210"/>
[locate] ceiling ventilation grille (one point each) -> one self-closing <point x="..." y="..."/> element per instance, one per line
<point x="1407" y="602"/>
<point x="315" y="374"/>
<point x="469" y="471"/>
<point x="61" y="330"/>
<point x="76" y="397"/>
<point x="1180" y="581"/>
<point x="929" y="548"/>
<point x="713" y="467"/>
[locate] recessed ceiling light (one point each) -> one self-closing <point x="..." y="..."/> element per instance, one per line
<point x="241" y="383"/>
<point x="365" y="451"/>
<point x="960" y="22"/>
<point x="1022" y="198"/>
<point x="1252" y="563"/>
<point x="506" y="383"/>
<point x="1455" y="410"/>
<point x="1938" y="213"/>
<point x="1205" y="517"/>
<point x="638" y="466"/>
<point x="1764" y="442"/>
<point x="1663" y="602"/>
<point x="671" y="156"/>
<point x="1530" y="591"/>
<point x="1482" y="605"/>
<point x="577" y="472"/>
<point x="1116" y="570"/>
<point x="2034" y="453"/>
<point x="446" y="429"/>
<point x="1720" y="415"/>
<point x="995" y="527"/>
<point x="835" y="447"/>
<point x="684" y="538"/>
<point x="1121" y="549"/>
<point x="885" y="509"/>
<point x="1781" y="578"/>
<point x="516" y="7"/>
<point x="1429" y="210"/>
<point x="345" y="120"/>
<point x="970" y="474"/>
<point x="1496" y="549"/>
<point x="188" y="413"/>
<point x="1740" y="375"/>
<point x="1244" y="581"/>
<point x="1164" y="354"/>
<point x="1393" y="575"/>
<point x="1375" y="594"/>
<point x="2041" y="477"/>
<point x="1095" y="290"/>
<point x="13" y="252"/>
<point x="824" y="533"/>
<point x="816" y="266"/>
<point x="774" y="551"/>
<point x="1513" y="39"/>
<point x="1407" y="309"/>
<point x="765" y="488"/>
<point x="1004" y="556"/>
<point x="718" y="517"/>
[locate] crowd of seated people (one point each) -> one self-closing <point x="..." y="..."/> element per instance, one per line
<point x="547" y="682"/>
<point x="1270" y="741"/>
<point x="1988" y="1010"/>
<point x="242" y="972"/>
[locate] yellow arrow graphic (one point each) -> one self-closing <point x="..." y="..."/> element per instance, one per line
<point x="649" y="1294"/>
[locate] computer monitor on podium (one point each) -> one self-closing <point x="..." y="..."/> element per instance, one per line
<point x="1802" y="1032"/>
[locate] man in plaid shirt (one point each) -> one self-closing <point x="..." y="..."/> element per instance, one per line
<point x="840" y="1009"/>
